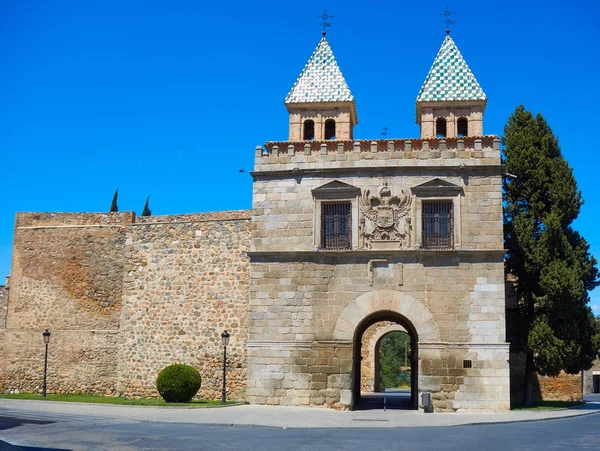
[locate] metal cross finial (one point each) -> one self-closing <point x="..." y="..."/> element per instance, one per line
<point x="447" y="13"/>
<point x="325" y="24"/>
<point x="384" y="133"/>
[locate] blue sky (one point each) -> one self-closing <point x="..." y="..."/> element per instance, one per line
<point x="169" y="99"/>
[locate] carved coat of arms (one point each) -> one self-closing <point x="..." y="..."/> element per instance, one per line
<point x="385" y="218"/>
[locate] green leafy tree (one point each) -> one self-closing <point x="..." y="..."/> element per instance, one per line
<point x="552" y="322"/>
<point x="394" y="353"/>
<point x="113" y="206"/>
<point x="147" y="211"/>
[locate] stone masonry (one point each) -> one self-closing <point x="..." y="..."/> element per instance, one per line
<point x="124" y="297"/>
<point x="300" y="350"/>
<point x="346" y="239"/>
<point x="67" y="276"/>
<point x="3" y="306"/>
<point x="185" y="282"/>
<point x="369" y="379"/>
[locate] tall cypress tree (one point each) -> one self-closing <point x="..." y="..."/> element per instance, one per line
<point x="113" y="206"/>
<point x="147" y="211"/>
<point x="552" y="322"/>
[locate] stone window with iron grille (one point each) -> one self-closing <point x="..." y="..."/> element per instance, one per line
<point x="437" y="215"/>
<point x="437" y="224"/>
<point x="336" y="225"/>
<point x="336" y="216"/>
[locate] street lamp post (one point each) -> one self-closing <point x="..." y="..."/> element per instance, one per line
<point x="225" y="341"/>
<point x="46" y="335"/>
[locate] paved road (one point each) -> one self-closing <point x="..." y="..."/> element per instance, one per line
<point x="32" y="431"/>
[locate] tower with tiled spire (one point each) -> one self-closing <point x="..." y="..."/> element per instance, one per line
<point x="320" y="103"/>
<point x="451" y="102"/>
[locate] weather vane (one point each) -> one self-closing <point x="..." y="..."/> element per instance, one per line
<point x="384" y="133"/>
<point x="447" y="13"/>
<point x="325" y="24"/>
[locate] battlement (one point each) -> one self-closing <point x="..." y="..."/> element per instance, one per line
<point x="479" y="150"/>
<point x="51" y="219"/>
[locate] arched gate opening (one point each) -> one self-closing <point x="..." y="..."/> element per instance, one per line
<point x="378" y="401"/>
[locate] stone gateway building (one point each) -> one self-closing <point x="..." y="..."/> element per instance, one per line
<point x="344" y="236"/>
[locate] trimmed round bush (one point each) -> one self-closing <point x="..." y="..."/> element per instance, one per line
<point x="178" y="383"/>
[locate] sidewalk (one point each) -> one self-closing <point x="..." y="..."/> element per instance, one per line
<point x="276" y="416"/>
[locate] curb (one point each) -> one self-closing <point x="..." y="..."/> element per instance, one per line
<point x="235" y="404"/>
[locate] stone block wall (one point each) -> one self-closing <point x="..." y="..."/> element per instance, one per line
<point x="67" y="274"/>
<point x="186" y="280"/>
<point x="307" y="303"/>
<point x="284" y="210"/>
<point x="297" y="354"/>
<point x="123" y="297"/>
<point x="588" y="386"/>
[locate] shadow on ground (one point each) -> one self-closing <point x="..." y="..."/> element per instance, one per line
<point x="8" y="447"/>
<point x="390" y="399"/>
<point x="13" y="422"/>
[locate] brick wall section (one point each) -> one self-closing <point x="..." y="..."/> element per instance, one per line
<point x="564" y="387"/>
<point x="185" y="283"/>
<point x="66" y="276"/>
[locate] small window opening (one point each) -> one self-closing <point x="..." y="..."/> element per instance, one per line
<point x="437" y="220"/>
<point x="462" y="127"/>
<point x="309" y="130"/>
<point x="440" y="128"/>
<point x="329" y="129"/>
<point x="336" y="223"/>
<point x="467" y="364"/>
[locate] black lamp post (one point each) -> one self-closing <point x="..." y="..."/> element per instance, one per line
<point x="225" y="341"/>
<point x="46" y="335"/>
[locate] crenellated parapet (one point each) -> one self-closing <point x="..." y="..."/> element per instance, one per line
<point x="281" y="155"/>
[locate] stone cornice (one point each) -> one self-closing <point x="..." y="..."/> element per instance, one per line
<point x="450" y="344"/>
<point x="371" y="253"/>
<point x="422" y="344"/>
<point x="461" y="170"/>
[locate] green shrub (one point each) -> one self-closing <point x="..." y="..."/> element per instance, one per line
<point x="178" y="383"/>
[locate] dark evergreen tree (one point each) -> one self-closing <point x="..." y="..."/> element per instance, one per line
<point x="552" y="322"/>
<point x="113" y="206"/>
<point x="147" y="211"/>
<point x="394" y="354"/>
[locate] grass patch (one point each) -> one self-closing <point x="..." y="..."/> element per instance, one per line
<point x="99" y="399"/>
<point x="547" y="405"/>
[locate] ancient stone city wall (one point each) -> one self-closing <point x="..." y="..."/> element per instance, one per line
<point x="186" y="281"/>
<point x="564" y="387"/>
<point x="67" y="274"/>
<point x="3" y="306"/>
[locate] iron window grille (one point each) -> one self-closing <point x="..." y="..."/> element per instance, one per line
<point x="438" y="224"/>
<point x="336" y="225"/>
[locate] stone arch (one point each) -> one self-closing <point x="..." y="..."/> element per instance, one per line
<point x="387" y="300"/>
<point x="369" y="376"/>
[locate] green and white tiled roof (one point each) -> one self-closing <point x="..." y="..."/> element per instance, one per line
<point x="321" y="80"/>
<point x="450" y="78"/>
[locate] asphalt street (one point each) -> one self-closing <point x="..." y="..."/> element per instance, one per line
<point x="33" y="431"/>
